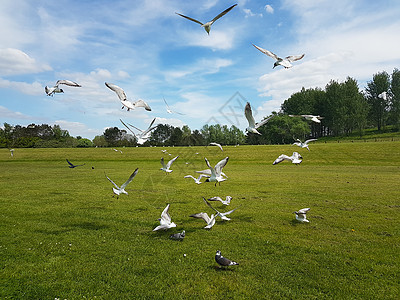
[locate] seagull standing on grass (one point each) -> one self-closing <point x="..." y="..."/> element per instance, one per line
<point x="144" y="134"/>
<point x="165" y="167"/>
<point x="285" y="62"/>
<point x="165" y="220"/>
<point x="209" y="220"/>
<point x="252" y="123"/>
<point x="12" y="152"/>
<point x="196" y="180"/>
<point x="124" y="101"/>
<point x="296" y="158"/>
<point x="216" y="144"/>
<point x="303" y="145"/>
<point x="216" y="175"/>
<point x="121" y="190"/>
<point x="223" y="261"/>
<point x="207" y="26"/>
<point x="222" y="215"/>
<point x="301" y="215"/>
<point x="71" y="165"/>
<point x="50" y="91"/>
<point x="225" y="202"/>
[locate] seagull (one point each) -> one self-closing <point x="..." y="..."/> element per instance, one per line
<point x="169" y="109"/>
<point x="223" y="261"/>
<point x="209" y="220"/>
<point x="122" y="97"/>
<point x="216" y="175"/>
<point x="208" y="172"/>
<point x="12" y="152"/>
<point x="303" y="145"/>
<point x="216" y="144"/>
<point x="166" y="167"/>
<point x="301" y="215"/>
<point x="165" y="220"/>
<point x="222" y="215"/>
<point x="296" y="158"/>
<point x="225" y="202"/>
<point x="121" y="190"/>
<point x="285" y="62"/>
<point x="316" y="119"/>
<point x="116" y="150"/>
<point x="252" y="124"/>
<point x="144" y="134"/>
<point x="383" y="96"/>
<point x="196" y="180"/>
<point x="50" y="91"/>
<point x="71" y="165"/>
<point x="207" y="26"/>
<point x="178" y="236"/>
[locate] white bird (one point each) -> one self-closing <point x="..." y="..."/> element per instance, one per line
<point x="165" y="220"/>
<point x="225" y="202"/>
<point x="207" y="26"/>
<point x="222" y="215"/>
<point x="178" y="236"/>
<point x="196" y="180"/>
<point x="165" y="167"/>
<point x="116" y="150"/>
<point x="285" y="62"/>
<point x="50" y="91"/>
<point x="383" y="96"/>
<point x="303" y="145"/>
<point x="144" y="135"/>
<point x="12" y="152"/>
<point x="301" y="215"/>
<point x="252" y="124"/>
<point x="169" y="110"/>
<point x="316" y="119"/>
<point x="208" y="172"/>
<point x="216" y="175"/>
<point x="223" y="261"/>
<point x="209" y="220"/>
<point x="124" y="101"/>
<point x="121" y="190"/>
<point x="216" y="144"/>
<point x="296" y="158"/>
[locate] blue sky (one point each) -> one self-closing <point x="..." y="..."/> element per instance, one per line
<point x="149" y="51"/>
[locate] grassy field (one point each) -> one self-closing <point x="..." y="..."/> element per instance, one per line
<point x="64" y="236"/>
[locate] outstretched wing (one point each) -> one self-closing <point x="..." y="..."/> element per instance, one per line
<point x="249" y="115"/>
<point x="112" y="181"/>
<point x="216" y="144"/>
<point x="189" y="18"/>
<point x="267" y="52"/>
<point x="128" y="127"/>
<point x="292" y="58"/>
<point x="67" y="82"/>
<point x="209" y="205"/>
<point x="171" y="161"/>
<point x="201" y="215"/>
<point x="264" y="121"/>
<point x="165" y="215"/>
<point x="223" y="13"/>
<point x="142" y="103"/>
<point x="162" y="163"/>
<point x="119" y="91"/>
<point x="70" y="163"/>
<point x="220" y="165"/>
<point x="310" y="140"/>
<point x="130" y="178"/>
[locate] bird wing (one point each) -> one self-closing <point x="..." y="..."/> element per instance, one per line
<point x="171" y="161"/>
<point x="128" y="127"/>
<point x="267" y="52"/>
<point x="220" y="165"/>
<point x="249" y="115"/>
<point x="223" y="13"/>
<point x="130" y="178"/>
<point x="67" y="82"/>
<point x="201" y="215"/>
<point x="229" y="212"/>
<point x="190" y="176"/>
<point x="280" y="158"/>
<point x="162" y="163"/>
<point x="119" y="91"/>
<point x="292" y="58"/>
<point x="165" y="215"/>
<point x="112" y="182"/>
<point x="264" y="121"/>
<point x="303" y="210"/>
<point x="70" y="163"/>
<point x="142" y="132"/>
<point x="142" y="103"/>
<point x="315" y="119"/>
<point x="209" y="205"/>
<point x="205" y="172"/>
<point x="216" y="144"/>
<point x="310" y="140"/>
<point x="189" y="18"/>
<point x="215" y="199"/>
<point x="212" y="170"/>
<point x="166" y="104"/>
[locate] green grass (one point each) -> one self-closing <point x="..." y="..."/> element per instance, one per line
<point x="63" y="235"/>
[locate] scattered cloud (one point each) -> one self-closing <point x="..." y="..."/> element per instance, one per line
<point x="249" y="13"/>
<point x="269" y="9"/>
<point x="16" y="62"/>
<point x="34" y="88"/>
<point x="5" y="114"/>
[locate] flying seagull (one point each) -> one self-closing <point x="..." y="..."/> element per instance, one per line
<point x="303" y="145"/>
<point x="301" y="215"/>
<point x="208" y="172"/>
<point x="50" y="91"/>
<point x="168" y="165"/>
<point x="169" y="110"/>
<point x="165" y="220"/>
<point x="252" y="124"/>
<point x="285" y="62"/>
<point x="383" y="96"/>
<point x="223" y="261"/>
<point x="216" y="144"/>
<point x="296" y="158"/>
<point x="196" y="180"/>
<point x="209" y="220"/>
<point x="144" y="134"/>
<point x="124" y="101"/>
<point x="71" y="165"/>
<point x="216" y="175"/>
<point x="178" y="236"/>
<point x="316" y="119"/>
<point x="121" y="190"/>
<point x="222" y="215"/>
<point x="207" y="26"/>
<point x="225" y="202"/>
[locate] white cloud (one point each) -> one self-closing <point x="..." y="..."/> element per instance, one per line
<point x="16" y="62"/>
<point x="34" y="88"/>
<point x="269" y="9"/>
<point x="77" y="128"/>
<point x="5" y="113"/>
<point x="249" y="13"/>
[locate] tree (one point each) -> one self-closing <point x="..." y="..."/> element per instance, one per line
<point x="84" y="143"/>
<point x="112" y="136"/>
<point x="99" y="141"/>
<point x="395" y="99"/>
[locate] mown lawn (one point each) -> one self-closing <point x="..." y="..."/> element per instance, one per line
<point x="63" y="235"/>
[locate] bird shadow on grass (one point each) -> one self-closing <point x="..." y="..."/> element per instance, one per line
<point x="220" y="269"/>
